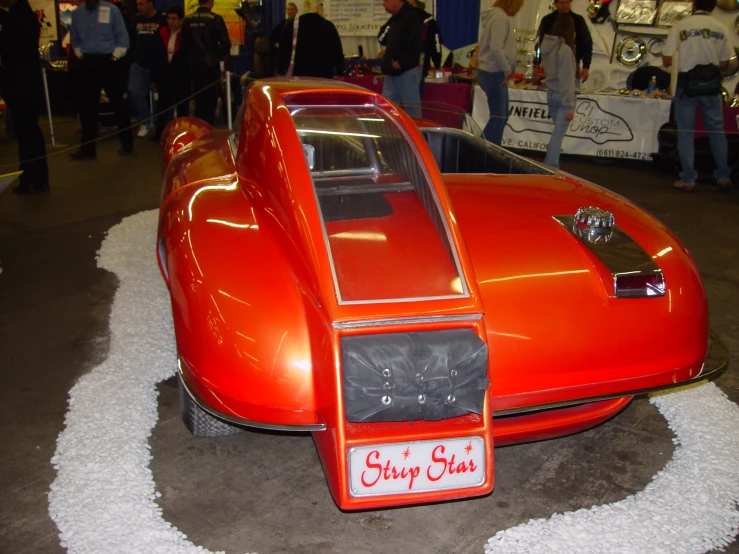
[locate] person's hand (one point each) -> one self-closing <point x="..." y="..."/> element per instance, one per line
<point x="584" y="74"/>
<point x="570" y="116"/>
<point x="381" y="53"/>
<point x="504" y="84"/>
<point x="396" y="65"/>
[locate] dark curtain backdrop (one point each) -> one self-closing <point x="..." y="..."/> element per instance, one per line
<point x="274" y="12"/>
<point x="459" y="21"/>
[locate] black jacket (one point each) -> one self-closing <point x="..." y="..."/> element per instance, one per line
<point x="402" y="36"/>
<point x="205" y="38"/>
<point x="432" y="41"/>
<point x="583" y="40"/>
<point x="163" y="71"/>
<point x="144" y="35"/>
<point x="318" y="51"/>
<point x="20" y="65"/>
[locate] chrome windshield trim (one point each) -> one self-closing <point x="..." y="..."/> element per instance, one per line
<point x="716" y="360"/>
<point x="405" y="321"/>
<point x="622" y="256"/>
<point x="247" y="422"/>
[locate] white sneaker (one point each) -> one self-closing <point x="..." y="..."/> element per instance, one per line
<point x="143" y="131"/>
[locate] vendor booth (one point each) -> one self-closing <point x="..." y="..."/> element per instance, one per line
<point x="605" y="124"/>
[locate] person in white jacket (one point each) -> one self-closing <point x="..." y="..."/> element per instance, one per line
<point x="560" y="67"/>
<point x="496" y="58"/>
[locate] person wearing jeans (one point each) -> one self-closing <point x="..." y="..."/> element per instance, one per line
<point x="403" y="37"/>
<point x="400" y="89"/>
<point x="496" y="58"/>
<point x="144" y="34"/>
<point x="561" y="117"/>
<point x="496" y="90"/>
<point x="701" y="40"/>
<point x="558" y="59"/>
<point x="711" y="108"/>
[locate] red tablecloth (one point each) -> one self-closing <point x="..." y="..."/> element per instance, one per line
<point x="444" y="103"/>
<point x="731" y="123"/>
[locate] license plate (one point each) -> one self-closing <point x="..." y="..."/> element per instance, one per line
<point x="422" y="466"/>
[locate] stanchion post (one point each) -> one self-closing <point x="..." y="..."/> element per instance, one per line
<point x="228" y="100"/>
<point x="48" y="106"/>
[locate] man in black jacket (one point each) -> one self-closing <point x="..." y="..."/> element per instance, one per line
<point x="403" y="37"/>
<point x="205" y="39"/>
<point x="318" y="50"/>
<point x="583" y="40"/>
<point x="432" y="40"/>
<point x="20" y="71"/>
<point x="169" y="71"/>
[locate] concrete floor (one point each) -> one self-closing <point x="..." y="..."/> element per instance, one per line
<point x="266" y="492"/>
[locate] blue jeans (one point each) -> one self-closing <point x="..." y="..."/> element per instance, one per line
<point x="559" y="119"/>
<point x="403" y="89"/>
<point x="492" y="86"/>
<point x="139" y="86"/>
<point x="713" y="119"/>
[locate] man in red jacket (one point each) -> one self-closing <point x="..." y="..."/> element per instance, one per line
<point x="169" y="72"/>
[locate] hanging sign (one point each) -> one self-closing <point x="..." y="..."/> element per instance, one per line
<point x="45" y="11"/>
<point x="604" y="125"/>
<point x="356" y="17"/>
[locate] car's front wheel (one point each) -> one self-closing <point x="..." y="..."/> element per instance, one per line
<point x="199" y="422"/>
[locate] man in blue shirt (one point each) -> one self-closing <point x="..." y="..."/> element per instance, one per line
<point x="100" y="40"/>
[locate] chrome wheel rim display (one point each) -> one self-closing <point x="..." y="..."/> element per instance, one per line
<point x="655" y="46"/>
<point x="630" y="51"/>
<point x="733" y="67"/>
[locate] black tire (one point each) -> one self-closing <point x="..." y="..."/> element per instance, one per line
<point x="199" y="422"/>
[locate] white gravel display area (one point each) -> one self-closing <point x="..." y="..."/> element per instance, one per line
<point x="103" y="497"/>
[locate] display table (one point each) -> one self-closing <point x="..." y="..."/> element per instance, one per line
<point x="610" y="126"/>
<point x="444" y="103"/>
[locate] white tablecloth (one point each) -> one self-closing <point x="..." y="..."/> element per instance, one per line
<point x="611" y="126"/>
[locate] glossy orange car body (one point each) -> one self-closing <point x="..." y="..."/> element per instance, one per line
<point x="258" y="321"/>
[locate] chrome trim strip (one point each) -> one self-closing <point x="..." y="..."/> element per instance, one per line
<point x="404" y="321"/>
<point x="246" y="422"/>
<point x="716" y="360"/>
<point x="621" y="255"/>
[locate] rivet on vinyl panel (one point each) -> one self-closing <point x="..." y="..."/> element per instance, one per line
<point x="386" y="385"/>
<point x="386" y="400"/>
<point x="451" y="398"/>
<point x="421" y="398"/>
<point x="453" y="373"/>
<point x="386" y="372"/>
<point x="419" y="376"/>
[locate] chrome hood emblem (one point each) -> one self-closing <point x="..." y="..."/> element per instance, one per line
<point x="594" y="224"/>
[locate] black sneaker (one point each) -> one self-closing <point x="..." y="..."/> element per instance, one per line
<point x="83" y="155"/>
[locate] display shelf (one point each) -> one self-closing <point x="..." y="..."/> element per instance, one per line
<point x="635" y="30"/>
<point x="643" y="30"/>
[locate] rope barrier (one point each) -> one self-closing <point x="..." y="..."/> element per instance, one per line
<point x="118" y="131"/>
<point x="223" y="78"/>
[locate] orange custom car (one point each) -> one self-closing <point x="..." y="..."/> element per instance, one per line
<point x="410" y="294"/>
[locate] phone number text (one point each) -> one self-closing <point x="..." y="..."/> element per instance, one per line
<point x="612" y="153"/>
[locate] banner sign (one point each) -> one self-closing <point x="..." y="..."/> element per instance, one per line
<point x="610" y="126"/>
<point x="226" y="9"/>
<point x="45" y="10"/>
<point x="356" y="17"/>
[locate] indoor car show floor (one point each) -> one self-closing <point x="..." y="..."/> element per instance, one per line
<point x="265" y="492"/>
